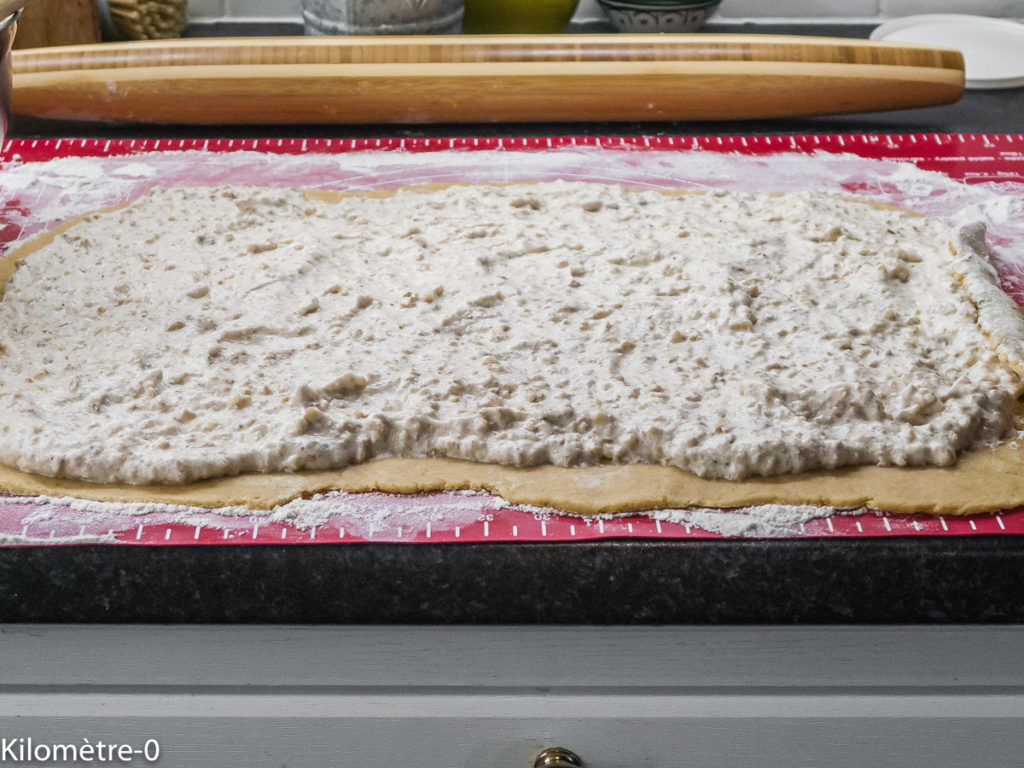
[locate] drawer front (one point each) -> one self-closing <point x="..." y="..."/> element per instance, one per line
<point x="495" y="697"/>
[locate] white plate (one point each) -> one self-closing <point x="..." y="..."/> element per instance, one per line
<point x="993" y="49"/>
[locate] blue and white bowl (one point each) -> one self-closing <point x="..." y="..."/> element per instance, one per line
<point x="658" y="16"/>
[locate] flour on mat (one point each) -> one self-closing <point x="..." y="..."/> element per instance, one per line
<point x="54" y="190"/>
<point x="367" y="515"/>
<point x="15" y="539"/>
<point x="763" y="520"/>
<point x="362" y="515"/>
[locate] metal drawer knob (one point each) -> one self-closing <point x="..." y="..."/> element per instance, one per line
<point x="557" y="757"/>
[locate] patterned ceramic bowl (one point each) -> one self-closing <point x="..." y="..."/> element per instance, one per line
<point x="7" y="27"/>
<point x="658" y="15"/>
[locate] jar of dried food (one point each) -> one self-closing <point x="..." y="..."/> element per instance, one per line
<point x="382" y="17"/>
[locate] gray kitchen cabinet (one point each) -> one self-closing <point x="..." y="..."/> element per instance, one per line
<point x="494" y="697"/>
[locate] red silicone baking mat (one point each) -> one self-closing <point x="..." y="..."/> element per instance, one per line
<point x="948" y="175"/>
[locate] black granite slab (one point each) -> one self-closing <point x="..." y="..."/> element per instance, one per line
<point x="947" y="579"/>
<point x="884" y="581"/>
<point x="906" y="580"/>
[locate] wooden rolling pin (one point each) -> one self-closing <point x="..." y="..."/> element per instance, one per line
<point x="480" y="79"/>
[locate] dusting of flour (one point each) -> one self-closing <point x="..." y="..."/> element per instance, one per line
<point x="363" y="516"/>
<point x="761" y="521"/>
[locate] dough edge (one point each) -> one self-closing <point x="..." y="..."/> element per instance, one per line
<point x="983" y="481"/>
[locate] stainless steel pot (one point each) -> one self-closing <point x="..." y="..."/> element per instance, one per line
<point x="8" y="26"/>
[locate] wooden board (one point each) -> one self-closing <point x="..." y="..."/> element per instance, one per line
<point x="58" y="23"/>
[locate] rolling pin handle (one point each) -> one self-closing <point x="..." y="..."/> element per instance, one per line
<point x="557" y="757"/>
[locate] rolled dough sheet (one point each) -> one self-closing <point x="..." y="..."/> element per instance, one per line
<point x="984" y="481"/>
<point x="987" y="480"/>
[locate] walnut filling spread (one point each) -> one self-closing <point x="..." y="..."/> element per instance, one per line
<point x="206" y="332"/>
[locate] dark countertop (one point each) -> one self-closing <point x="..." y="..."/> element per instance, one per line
<point x="947" y="579"/>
